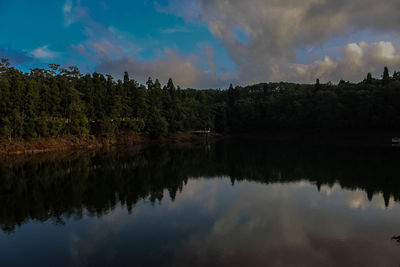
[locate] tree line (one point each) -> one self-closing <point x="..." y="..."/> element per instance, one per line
<point x="58" y="101"/>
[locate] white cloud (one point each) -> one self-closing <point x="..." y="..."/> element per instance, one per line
<point x="354" y="63"/>
<point x="67" y="10"/>
<point x="177" y="29"/>
<point x="275" y="33"/>
<point x="277" y="29"/>
<point x="388" y="50"/>
<point x="266" y="225"/>
<point x="67" y="7"/>
<point x="73" y="11"/>
<point x="44" y="53"/>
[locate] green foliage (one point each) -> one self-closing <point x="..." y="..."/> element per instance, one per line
<point x="132" y="125"/>
<point x="78" y="125"/>
<point x="156" y="124"/>
<point x="55" y="126"/>
<point x="107" y="126"/>
<point x="5" y="128"/>
<point x="58" y="101"/>
<point x="42" y="126"/>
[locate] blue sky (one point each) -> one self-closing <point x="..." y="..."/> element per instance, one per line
<point x="51" y="33"/>
<point x="202" y="43"/>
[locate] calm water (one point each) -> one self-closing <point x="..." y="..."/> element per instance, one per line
<point x="234" y="203"/>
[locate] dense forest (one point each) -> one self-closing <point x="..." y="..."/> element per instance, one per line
<point x="61" y="101"/>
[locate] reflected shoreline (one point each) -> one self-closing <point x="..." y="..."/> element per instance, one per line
<point x="51" y="188"/>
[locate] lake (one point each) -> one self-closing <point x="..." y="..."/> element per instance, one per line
<point x="237" y="202"/>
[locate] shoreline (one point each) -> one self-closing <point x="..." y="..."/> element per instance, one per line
<point x="366" y="138"/>
<point x="74" y="143"/>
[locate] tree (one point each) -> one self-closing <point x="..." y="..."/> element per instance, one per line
<point x="55" y="101"/>
<point x="139" y="104"/>
<point x="156" y="125"/>
<point x="171" y="88"/>
<point x="29" y="110"/>
<point x="150" y="84"/>
<point x="154" y="96"/>
<point x="5" y="97"/>
<point x="172" y="108"/>
<point x="4" y="64"/>
<point x="317" y="84"/>
<point x="157" y="84"/>
<point x="5" y="128"/>
<point x="126" y="78"/>
<point x="75" y="119"/>
<point x="385" y="76"/>
<point x="369" y="78"/>
<point x="396" y="76"/>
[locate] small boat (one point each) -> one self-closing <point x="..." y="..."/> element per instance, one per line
<point x="396" y="140"/>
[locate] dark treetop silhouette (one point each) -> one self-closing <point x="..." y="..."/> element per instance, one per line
<point x="58" y="101"/>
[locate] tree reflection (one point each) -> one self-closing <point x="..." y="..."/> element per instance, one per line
<point x="95" y="183"/>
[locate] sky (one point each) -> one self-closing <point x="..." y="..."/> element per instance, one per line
<point x="206" y="43"/>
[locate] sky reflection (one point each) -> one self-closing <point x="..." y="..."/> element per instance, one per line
<point x="211" y="222"/>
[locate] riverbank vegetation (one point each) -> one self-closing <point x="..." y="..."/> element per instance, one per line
<point x="57" y="101"/>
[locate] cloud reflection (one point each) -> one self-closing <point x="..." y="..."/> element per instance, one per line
<point x="295" y="225"/>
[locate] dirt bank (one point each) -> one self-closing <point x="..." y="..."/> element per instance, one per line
<point x="65" y="143"/>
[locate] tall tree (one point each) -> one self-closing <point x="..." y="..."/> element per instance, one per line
<point x="150" y="84"/>
<point x="385" y="76"/>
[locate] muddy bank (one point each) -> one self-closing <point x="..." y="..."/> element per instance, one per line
<point x="379" y="138"/>
<point x="71" y="143"/>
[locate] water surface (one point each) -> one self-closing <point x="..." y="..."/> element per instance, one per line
<point x="234" y="203"/>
